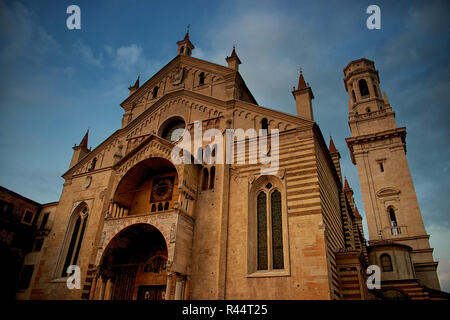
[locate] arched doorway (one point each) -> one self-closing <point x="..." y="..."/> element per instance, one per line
<point x="133" y="265"/>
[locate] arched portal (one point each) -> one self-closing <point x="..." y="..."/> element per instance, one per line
<point x="150" y="186"/>
<point x="133" y="265"/>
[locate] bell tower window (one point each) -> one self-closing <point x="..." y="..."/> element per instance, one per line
<point x="363" y="88"/>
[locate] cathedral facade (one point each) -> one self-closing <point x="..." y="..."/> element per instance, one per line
<point x="140" y="225"/>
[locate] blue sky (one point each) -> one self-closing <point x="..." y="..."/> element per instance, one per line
<point x="57" y="82"/>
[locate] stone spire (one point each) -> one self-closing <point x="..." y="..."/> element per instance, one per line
<point x="80" y="151"/>
<point x="335" y="156"/>
<point x="303" y="96"/>
<point x="233" y="60"/>
<point x="185" y="46"/>
<point x="135" y="87"/>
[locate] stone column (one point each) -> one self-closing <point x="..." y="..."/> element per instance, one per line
<point x="100" y="289"/>
<point x="93" y="287"/>
<point x="179" y="288"/>
<point x="108" y="289"/>
<point x="169" y="285"/>
<point x="186" y="288"/>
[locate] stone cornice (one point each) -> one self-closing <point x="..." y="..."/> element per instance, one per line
<point x="367" y="138"/>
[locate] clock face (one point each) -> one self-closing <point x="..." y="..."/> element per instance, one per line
<point x="162" y="189"/>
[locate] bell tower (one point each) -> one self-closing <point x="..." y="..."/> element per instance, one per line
<point x="378" y="149"/>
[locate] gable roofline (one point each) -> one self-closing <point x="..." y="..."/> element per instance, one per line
<point x="186" y="59"/>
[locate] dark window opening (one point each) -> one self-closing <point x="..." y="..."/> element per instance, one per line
<point x="44" y="221"/>
<point x="6" y="209"/>
<point x="155" y="92"/>
<point x="212" y="177"/>
<point x="182" y="49"/>
<point x="188" y="51"/>
<point x="28" y="216"/>
<point x="386" y="263"/>
<point x="93" y="163"/>
<point x="153" y="207"/>
<point x="392" y="217"/>
<point x="265" y="125"/>
<point x="160" y="207"/>
<point x="381" y="166"/>
<point x="368" y="110"/>
<point x="201" y="78"/>
<point x="166" y="206"/>
<point x="277" y="231"/>
<point x="363" y="88"/>
<point x="205" y="179"/>
<point x="262" y="231"/>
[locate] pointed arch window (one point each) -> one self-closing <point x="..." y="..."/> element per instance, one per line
<point x="386" y="263"/>
<point x="77" y="228"/>
<point x="269" y="229"/>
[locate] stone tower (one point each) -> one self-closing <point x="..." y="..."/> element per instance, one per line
<point x="378" y="148"/>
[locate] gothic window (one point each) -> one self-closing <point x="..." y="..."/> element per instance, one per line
<point x="386" y="263"/>
<point x="153" y="207"/>
<point x="155" y="92"/>
<point x="212" y="177"/>
<point x="269" y="229"/>
<point x="205" y="179"/>
<point x="77" y="229"/>
<point x="182" y="49"/>
<point x="166" y="206"/>
<point x="160" y="206"/>
<point x="363" y="88"/>
<point x="188" y="51"/>
<point x="381" y="166"/>
<point x="201" y="78"/>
